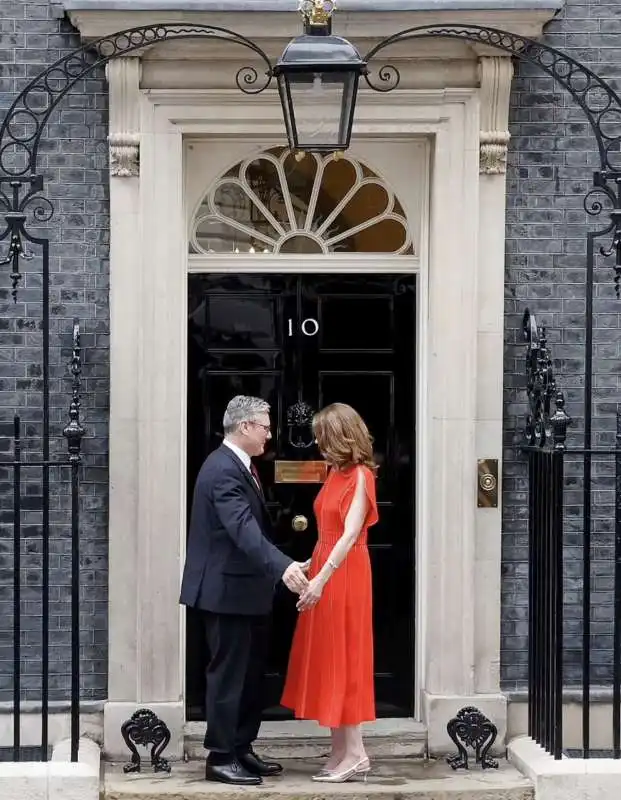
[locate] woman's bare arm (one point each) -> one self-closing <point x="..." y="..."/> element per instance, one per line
<point x="351" y="530"/>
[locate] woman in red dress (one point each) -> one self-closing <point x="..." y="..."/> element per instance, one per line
<point x="330" y="675"/>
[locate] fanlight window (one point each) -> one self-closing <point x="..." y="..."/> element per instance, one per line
<point x="277" y="203"/>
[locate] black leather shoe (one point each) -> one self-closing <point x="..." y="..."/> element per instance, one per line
<point x="258" y="766"/>
<point x="233" y="772"/>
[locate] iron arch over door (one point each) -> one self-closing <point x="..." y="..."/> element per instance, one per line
<point x="28" y="115"/>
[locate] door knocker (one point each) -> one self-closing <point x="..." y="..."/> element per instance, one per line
<point x="300" y="425"/>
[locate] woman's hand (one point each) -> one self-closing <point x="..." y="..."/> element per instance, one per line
<point x="311" y="595"/>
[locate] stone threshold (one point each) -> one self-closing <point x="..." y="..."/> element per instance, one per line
<point x="303" y="739"/>
<point x="396" y="778"/>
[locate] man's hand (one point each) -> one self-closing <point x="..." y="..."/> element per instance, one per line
<point x="294" y="578"/>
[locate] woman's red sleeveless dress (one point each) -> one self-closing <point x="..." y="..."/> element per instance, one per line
<point x="330" y="675"/>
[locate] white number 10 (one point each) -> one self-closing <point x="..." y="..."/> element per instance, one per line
<point x="309" y="327"/>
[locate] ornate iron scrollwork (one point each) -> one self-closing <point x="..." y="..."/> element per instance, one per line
<point x="606" y="196"/>
<point x="144" y="728"/>
<point x="300" y="425"/>
<point x="22" y="128"/>
<point x="20" y="199"/>
<point x="598" y="100"/>
<point x="74" y="432"/>
<point x="23" y="125"/>
<point x="474" y="730"/>
<point x="542" y="426"/>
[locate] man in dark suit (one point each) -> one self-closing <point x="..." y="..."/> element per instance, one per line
<point x="230" y="573"/>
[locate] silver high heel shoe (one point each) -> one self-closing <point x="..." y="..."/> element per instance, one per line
<point x="322" y="771"/>
<point x="363" y="768"/>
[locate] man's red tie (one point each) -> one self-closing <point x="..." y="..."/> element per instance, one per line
<point x="255" y="475"/>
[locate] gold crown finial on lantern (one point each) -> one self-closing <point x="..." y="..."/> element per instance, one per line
<point x="317" y="12"/>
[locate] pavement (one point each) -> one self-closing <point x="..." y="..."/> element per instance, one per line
<point x="395" y="778"/>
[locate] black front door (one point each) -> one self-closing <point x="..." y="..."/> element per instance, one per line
<point x="313" y="340"/>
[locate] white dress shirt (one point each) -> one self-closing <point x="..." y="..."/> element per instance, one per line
<point x="244" y="458"/>
<point x="241" y="454"/>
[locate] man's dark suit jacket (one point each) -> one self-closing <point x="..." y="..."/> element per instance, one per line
<point x="231" y="565"/>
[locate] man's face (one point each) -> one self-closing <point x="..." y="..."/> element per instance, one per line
<point x="256" y="434"/>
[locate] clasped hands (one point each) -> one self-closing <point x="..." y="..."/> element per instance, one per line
<point x="296" y="581"/>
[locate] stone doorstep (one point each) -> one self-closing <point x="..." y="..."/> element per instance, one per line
<point x="298" y="739"/>
<point x="389" y="778"/>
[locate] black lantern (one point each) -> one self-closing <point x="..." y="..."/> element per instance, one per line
<point x="318" y="76"/>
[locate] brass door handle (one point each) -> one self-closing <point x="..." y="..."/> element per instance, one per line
<point x="299" y="523"/>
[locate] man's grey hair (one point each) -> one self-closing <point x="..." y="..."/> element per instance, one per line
<point x="243" y="409"/>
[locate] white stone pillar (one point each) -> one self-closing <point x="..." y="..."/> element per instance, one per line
<point x="446" y="567"/>
<point x="466" y="370"/>
<point x="495" y="75"/>
<point x="123" y="79"/>
<point x="144" y="530"/>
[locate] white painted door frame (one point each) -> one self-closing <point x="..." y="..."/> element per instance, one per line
<point x="404" y="167"/>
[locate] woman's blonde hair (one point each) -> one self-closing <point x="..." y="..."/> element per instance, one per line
<point x="343" y="437"/>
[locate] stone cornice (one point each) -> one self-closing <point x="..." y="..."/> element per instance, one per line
<point x="525" y="17"/>
<point x="287" y="6"/>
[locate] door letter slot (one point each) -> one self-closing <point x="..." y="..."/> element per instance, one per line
<point x="300" y="471"/>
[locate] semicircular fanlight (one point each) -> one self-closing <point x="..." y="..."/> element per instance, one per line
<point x="275" y="203"/>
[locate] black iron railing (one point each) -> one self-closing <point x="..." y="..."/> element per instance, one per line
<point x="581" y="486"/>
<point x="545" y="575"/>
<point x="66" y="470"/>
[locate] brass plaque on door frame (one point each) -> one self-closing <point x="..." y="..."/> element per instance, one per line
<point x="487" y="483"/>
<point x="300" y="471"/>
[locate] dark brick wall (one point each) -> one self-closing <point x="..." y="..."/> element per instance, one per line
<point x="73" y="160"/>
<point x="552" y="157"/>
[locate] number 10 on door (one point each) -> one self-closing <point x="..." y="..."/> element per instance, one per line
<point x="309" y="327"/>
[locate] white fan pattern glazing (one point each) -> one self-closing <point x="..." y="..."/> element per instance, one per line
<point x="273" y="203"/>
